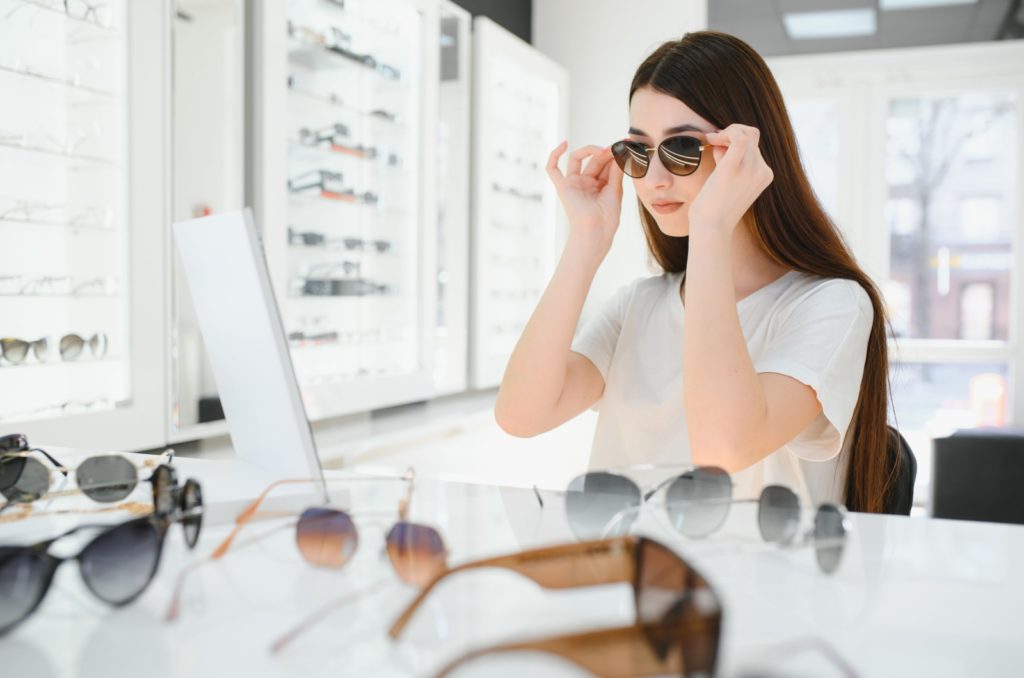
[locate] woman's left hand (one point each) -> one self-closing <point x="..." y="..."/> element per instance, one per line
<point x="739" y="176"/>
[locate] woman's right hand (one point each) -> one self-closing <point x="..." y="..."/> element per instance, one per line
<point x="592" y="197"/>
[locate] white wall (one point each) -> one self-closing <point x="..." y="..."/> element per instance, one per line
<point x="601" y="43"/>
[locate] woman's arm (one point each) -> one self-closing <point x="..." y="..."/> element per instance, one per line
<point x="545" y="383"/>
<point x="735" y="416"/>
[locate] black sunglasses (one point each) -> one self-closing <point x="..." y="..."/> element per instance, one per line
<point x="117" y="565"/>
<point x="680" y="156"/>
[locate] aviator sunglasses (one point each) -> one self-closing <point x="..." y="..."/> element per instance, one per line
<point x="680" y="156"/>
<point x="697" y="504"/>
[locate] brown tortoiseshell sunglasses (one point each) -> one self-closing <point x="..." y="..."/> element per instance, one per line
<point x="678" y="614"/>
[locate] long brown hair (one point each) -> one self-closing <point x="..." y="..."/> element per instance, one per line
<point x="725" y="81"/>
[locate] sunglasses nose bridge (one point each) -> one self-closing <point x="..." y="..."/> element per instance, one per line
<point x="657" y="174"/>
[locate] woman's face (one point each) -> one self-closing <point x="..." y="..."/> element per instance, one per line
<point x="653" y="117"/>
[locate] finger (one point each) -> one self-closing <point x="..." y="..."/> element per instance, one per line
<point x="598" y="163"/>
<point x="552" y="166"/>
<point x="577" y="156"/>
<point x="613" y="175"/>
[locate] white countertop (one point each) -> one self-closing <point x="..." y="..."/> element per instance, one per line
<point x="913" y="596"/>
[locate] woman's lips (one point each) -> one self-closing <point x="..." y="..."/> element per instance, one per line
<point x="665" y="207"/>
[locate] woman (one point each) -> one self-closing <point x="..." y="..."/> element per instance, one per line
<point x="762" y="347"/>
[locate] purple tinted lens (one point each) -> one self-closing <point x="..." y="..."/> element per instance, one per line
<point x="326" y="537"/>
<point x="119" y="564"/>
<point x="23" y="580"/>
<point x="416" y="551"/>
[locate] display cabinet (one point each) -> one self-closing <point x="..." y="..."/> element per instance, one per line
<point x="451" y="325"/>
<point x="348" y="133"/>
<point x="520" y="114"/>
<point x="82" y="176"/>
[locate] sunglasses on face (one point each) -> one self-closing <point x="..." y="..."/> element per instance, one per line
<point x="117" y="565"/>
<point x="680" y="156"/>
<point x="697" y="503"/>
<point x="327" y="537"/>
<point x="678" y="614"/>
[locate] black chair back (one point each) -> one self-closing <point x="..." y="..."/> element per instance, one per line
<point x="978" y="474"/>
<point x="901" y="498"/>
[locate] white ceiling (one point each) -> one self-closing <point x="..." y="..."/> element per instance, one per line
<point x="759" y="22"/>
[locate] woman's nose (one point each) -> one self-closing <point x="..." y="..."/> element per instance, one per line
<point x="657" y="176"/>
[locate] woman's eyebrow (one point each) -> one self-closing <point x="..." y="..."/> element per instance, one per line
<point x="671" y="130"/>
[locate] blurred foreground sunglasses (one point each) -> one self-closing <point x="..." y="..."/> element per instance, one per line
<point x="327" y="537"/>
<point x="697" y="503"/>
<point x="104" y="478"/>
<point x="117" y="565"/>
<point x="678" y="614"/>
<point x="680" y="156"/>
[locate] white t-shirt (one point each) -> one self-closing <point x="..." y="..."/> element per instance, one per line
<point x="812" y="329"/>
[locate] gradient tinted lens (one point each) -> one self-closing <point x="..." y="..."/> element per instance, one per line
<point x="680" y="155"/>
<point x="661" y="580"/>
<point x="40" y="347"/>
<point x="119" y="564"/>
<point x="23" y="479"/>
<point x="107" y="478"/>
<point x="15" y="350"/>
<point x="98" y="345"/>
<point x="683" y="610"/>
<point x="778" y="513"/>
<point x="192" y="511"/>
<point x="164" y="481"/>
<point x="599" y="501"/>
<point x="71" y="346"/>
<point x="326" y="537"/>
<point x="631" y="157"/>
<point x="417" y="552"/>
<point x="24" y="577"/>
<point x="829" y="536"/>
<point x="698" y="500"/>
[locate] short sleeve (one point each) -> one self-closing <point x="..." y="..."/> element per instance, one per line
<point x="821" y="341"/>
<point x="597" y="338"/>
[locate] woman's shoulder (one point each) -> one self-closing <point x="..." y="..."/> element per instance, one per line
<point x="807" y="289"/>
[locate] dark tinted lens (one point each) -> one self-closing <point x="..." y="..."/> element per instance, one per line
<point x="661" y="580"/>
<point x="679" y="608"/>
<point x="417" y="552"/>
<point x="23" y="580"/>
<point x="192" y="511"/>
<point x="698" y="500"/>
<point x="23" y="478"/>
<point x="107" y="478"/>
<point x="326" y="537"/>
<point x="680" y="155"/>
<point x="71" y="346"/>
<point x="594" y="500"/>
<point x="829" y="536"/>
<point x="119" y="564"/>
<point x="778" y="513"/>
<point x="165" y="482"/>
<point x="14" y="350"/>
<point x="631" y="157"/>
